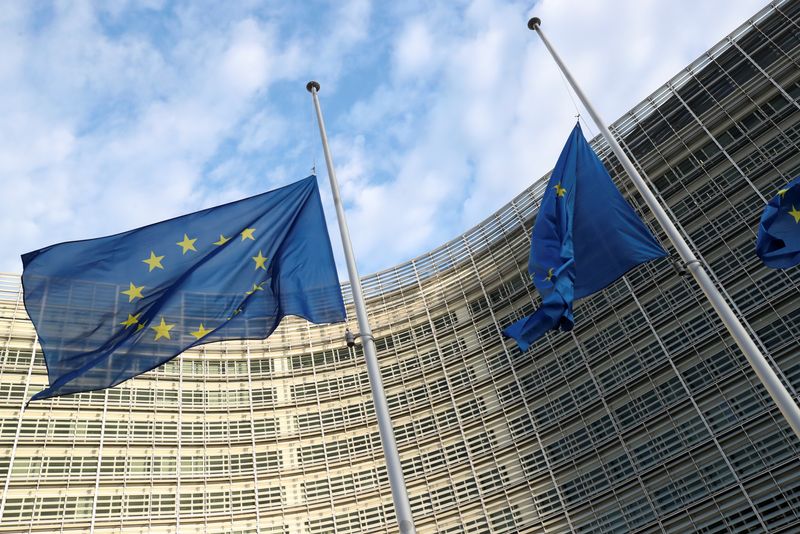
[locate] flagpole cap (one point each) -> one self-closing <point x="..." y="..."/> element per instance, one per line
<point x="312" y="85"/>
<point x="534" y="23"/>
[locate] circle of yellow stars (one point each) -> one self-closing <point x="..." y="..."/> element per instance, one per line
<point x="163" y="330"/>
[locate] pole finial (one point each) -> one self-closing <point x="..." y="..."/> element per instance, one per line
<point x="312" y="85"/>
<point x="534" y="23"/>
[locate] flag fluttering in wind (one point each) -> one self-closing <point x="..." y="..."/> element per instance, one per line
<point x="778" y="242"/>
<point x="108" y="309"/>
<point x="585" y="237"/>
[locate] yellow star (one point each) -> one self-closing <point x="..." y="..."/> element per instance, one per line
<point x="222" y="240"/>
<point x="256" y="287"/>
<point x="248" y="234"/>
<point x="154" y="261"/>
<point x="132" y="320"/>
<point x="559" y="190"/>
<point x="202" y="331"/>
<point x="796" y="214"/>
<point x="187" y="244"/>
<point x="549" y="274"/>
<point x="782" y="192"/>
<point x="141" y="325"/>
<point x="260" y="259"/>
<point x="162" y="330"/>
<point x="133" y="292"/>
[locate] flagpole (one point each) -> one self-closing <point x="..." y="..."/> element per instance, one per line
<point x="758" y="362"/>
<point x="399" y="493"/>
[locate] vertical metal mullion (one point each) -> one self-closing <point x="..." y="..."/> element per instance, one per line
<point x="719" y="145"/>
<point x="696" y="406"/>
<point x="518" y="268"/>
<point x="446" y="376"/>
<point x="618" y="430"/>
<point x="18" y="431"/>
<point x="724" y="110"/>
<point x="4" y="494"/>
<point x="387" y="307"/>
<point x="100" y="447"/>
<point x="717" y="279"/>
<point x="646" y="372"/>
<point x="179" y="432"/>
<point x="538" y="438"/>
<point x="735" y="306"/>
<point x="337" y="407"/>
<point x="206" y="425"/>
<point x="492" y="383"/>
<point x="778" y="4"/>
<point x="763" y="72"/>
<point x="248" y="357"/>
<point x="272" y="365"/>
<point x="224" y="397"/>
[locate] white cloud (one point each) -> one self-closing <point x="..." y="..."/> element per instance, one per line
<point x="415" y="51"/>
<point x="246" y="62"/>
<point x="493" y="112"/>
<point x="438" y="113"/>
<point x="84" y="166"/>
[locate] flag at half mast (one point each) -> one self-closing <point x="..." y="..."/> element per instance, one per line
<point x="585" y="237"/>
<point x="108" y="309"/>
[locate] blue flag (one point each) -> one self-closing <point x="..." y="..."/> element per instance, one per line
<point x="111" y="308"/>
<point x="585" y="237"/>
<point x="778" y="242"/>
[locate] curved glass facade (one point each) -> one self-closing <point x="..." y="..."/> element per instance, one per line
<point x="645" y="418"/>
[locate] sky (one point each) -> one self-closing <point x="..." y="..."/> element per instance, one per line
<point x="115" y="114"/>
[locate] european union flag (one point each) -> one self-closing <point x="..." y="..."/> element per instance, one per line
<point x="585" y="237"/>
<point x="108" y="309"/>
<point x="778" y="241"/>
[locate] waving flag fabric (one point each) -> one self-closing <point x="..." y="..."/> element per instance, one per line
<point x="111" y="308"/>
<point x="585" y="237"/>
<point x="778" y="241"/>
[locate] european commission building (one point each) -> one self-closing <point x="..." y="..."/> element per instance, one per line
<point x="645" y="418"/>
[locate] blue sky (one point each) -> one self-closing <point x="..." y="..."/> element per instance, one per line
<point x="116" y="114"/>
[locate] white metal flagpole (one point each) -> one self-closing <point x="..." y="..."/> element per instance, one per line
<point x="766" y="374"/>
<point x="399" y="493"/>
